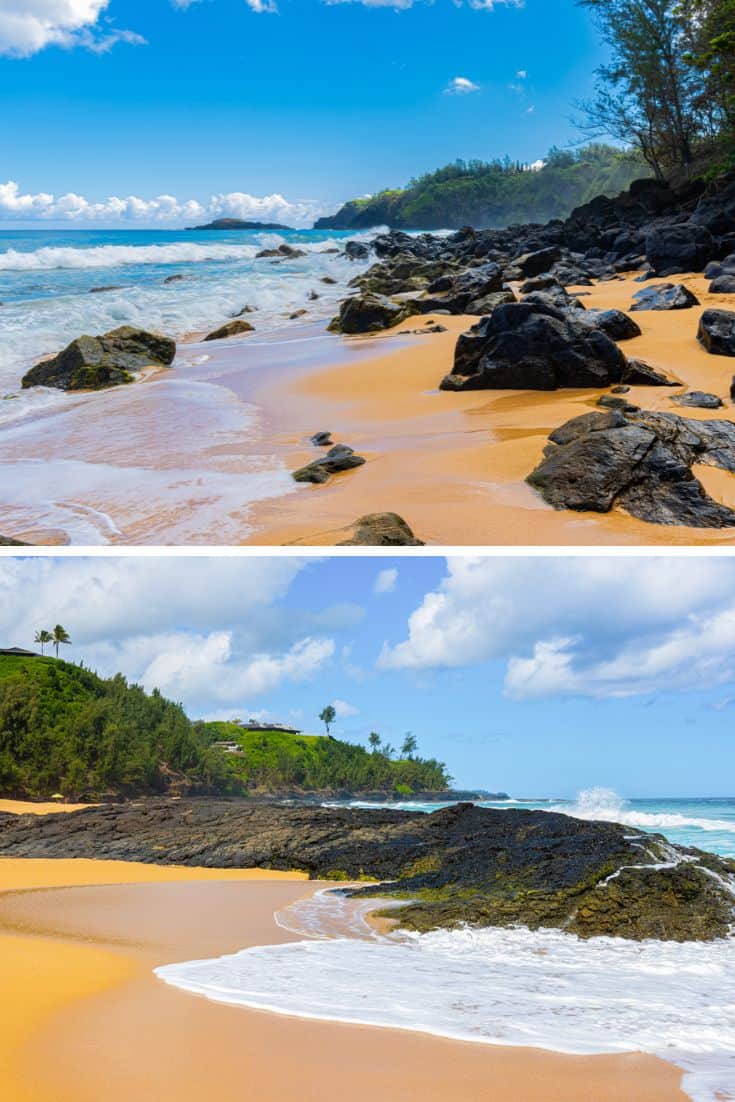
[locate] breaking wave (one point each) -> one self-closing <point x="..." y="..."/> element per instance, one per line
<point x="605" y="805"/>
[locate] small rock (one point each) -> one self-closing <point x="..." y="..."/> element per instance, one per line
<point x="328" y="280"/>
<point x="608" y="402"/>
<point x="322" y="440"/>
<point x="698" y="399"/>
<point x="339" y="458"/>
<point x="108" y="287"/>
<point x="368" y="314"/>
<point x="717" y="332"/>
<point x="297" y="314"/>
<point x="174" y="279"/>
<point x="664" y="296"/>
<point x="355" y="250"/>
<point x="723" y="285"/>
<point x="231" y="329"/>
<point x="381" y="530"/>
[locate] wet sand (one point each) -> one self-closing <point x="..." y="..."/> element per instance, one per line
<point x="202" y="454"/>
<point x="96" y="1023"/>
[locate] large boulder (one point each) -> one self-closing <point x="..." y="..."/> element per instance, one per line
<point x="723" y="285"/>
<point x="639" y="461"/>
<point x="368" y="314"/>
<point x="525" y="346"/>
<point x="381" y="530"/>
<point x="664" y="296"/>
<point x="617" y="325"/>
<point x="95" y="363"/>
<point x="456" y="293"/>
<point x="717" y="332"/>
<point x="672" y="249"/>
<point x="538" y="262"/>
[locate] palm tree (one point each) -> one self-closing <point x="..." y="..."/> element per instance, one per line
<point x="328" y="716"/>
<point x="374" y="740"/>
<point x="409" y="746"/>
<point x="60" y="636"/>
<point x="43" y="637"/>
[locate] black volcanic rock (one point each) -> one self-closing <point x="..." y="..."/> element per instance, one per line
<point x="664" y="296"/>
<point x="678" y="248"/>
<point x="338" y="458"/>
<point x="529" y="346"/>
<point x="368" y="314"/>
<point x="639" y="461"/>
<point x="457" y="866"/>
<point x="717" y="332"/>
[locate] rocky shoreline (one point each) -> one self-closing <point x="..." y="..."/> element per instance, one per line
<point x="460" y="865"/>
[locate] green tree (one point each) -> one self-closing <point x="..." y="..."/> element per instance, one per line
<point x="328" y="716"/>
<point x="409" y="747"/>
<point x="60" y="636"/>
<point x="43" y="637"/>
<point x="374" y="740"/>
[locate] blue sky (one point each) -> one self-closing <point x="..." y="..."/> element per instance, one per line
<point x="539" y="676"/>
<point x="318" y="100"/>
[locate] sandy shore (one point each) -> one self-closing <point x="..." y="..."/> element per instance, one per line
<point x="84" y="1018"/>
<point x="202" y="454"/>
<point x="454" y="465"/>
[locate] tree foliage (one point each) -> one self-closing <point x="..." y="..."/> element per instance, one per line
<point x="492" y="194"/>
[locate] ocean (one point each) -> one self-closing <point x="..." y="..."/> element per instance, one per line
<point x="544" y="989"/>
<point x="57" y="284"/>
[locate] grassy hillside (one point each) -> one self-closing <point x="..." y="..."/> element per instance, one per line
<point x="496" y="193"/>
<point x="64" y="729"/>
<point x="271" y="760"/>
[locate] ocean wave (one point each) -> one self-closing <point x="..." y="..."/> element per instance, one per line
<point x="606" y="805"/>
<point x="117" y="256"/>
<point x="545" y="989"/>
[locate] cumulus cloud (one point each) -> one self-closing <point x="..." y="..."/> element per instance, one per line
<point x="344" y="710"/>
<point x="17" y="205"/>
<point x="582" y="627"/>
<point x="385" y="582"/>
<point x="461" y="86"/>
<point x="27" y="26"/>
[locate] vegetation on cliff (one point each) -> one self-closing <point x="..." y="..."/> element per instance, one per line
<point x="271" y="761"/>
<point x="65" y="730"/>
<point x="495" y="194"/>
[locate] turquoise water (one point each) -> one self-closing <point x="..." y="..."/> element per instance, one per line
<point x="707" y="823"/>
<point x="56" y="284"/>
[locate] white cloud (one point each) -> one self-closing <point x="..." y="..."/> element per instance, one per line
<point x="344" y="710"/>
<point x="522" y="74"/>
<point x="401" y="5"/>
<point x="591" y="627"/>
<point x="16" y="205"/>
<point x="461" y="86"/>
<point x="27" y="26"/>
<point x="385" y="582"/>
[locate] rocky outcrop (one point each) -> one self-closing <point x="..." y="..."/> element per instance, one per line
<point x="339" y="458"/>
<point x="94" y="363"/>
<point x="717" y="332"/>
<point x="675" y="248"/>
<point x="232" y="329"/>
<point x="381" y="530"/>
<point x="529" y="346"/>
<point x="461" y="865"/>
<point x="638" y="461"/>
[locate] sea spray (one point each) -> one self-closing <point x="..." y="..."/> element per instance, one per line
<point x="545" y="989"/>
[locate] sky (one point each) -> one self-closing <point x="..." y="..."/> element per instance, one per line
<point x="151" y="112"/>
<point x="536" y="676"/>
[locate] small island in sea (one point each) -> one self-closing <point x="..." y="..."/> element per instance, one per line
<point x="239" y="224"/>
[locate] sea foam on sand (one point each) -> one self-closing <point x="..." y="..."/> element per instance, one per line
<point x="544" y="989"/>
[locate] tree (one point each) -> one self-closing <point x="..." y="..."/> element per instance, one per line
<point x="388" y="750"/>
<point x="409" y="747"/>
<point x="328" y="716"/>
<point x="374" y="740"/>
<point x="648" y="91"/>
<point x="60" y="636"/>
<point x="43" y="637"/>
<point x="709" y="27"/>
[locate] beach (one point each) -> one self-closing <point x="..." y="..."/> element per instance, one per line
<point x="202" y="454"/>
<point x="96" y="1022"/>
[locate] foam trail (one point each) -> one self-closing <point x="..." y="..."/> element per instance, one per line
<point x="545" y="989"/>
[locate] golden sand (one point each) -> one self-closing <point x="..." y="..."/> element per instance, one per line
<point x="28" y="807"/>
<point x="84" y="1018"/>
<point x="454" y="465"/>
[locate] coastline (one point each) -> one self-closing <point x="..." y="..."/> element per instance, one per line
<point x="101" y="1023"/>
<point x="237" y="416"/>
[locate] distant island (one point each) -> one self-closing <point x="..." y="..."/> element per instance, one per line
<point x="237" y="224"/>
<point x="495" y="194"/>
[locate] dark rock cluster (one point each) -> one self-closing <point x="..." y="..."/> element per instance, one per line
<point x="94" y="363"/>
<point x="461" y="865"/>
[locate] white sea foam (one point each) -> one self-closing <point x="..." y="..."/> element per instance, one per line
<point x="546" y="989"/>
<point x="605" y="805"/>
